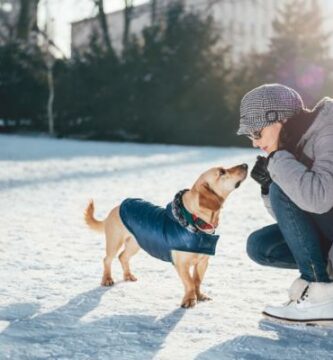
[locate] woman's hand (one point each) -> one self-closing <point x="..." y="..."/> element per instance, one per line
<point x="261" y="175"/>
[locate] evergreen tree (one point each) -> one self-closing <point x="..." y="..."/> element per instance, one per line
<point x="298" y="54"/>
<point x="88" y="99"/>
<point x="23" y="87"/>
<point x="179" y="83"/>
<point x="299" y="33"/>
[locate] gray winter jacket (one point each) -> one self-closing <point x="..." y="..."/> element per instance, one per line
<point x="311" y="189"/>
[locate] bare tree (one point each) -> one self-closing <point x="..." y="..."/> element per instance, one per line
<point x="49" y="61"/>
<point x="128" y="10"/>
<point x="103" y="23"/>
<point x="153" y="9"/>
<point x="49" y="50"/>
<point x="49" y="64"/>
<point x="27" y="20"/>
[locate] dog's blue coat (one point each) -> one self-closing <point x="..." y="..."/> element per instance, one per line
<point x="158" y="232"/>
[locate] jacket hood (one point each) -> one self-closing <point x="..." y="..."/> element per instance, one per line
<point x="323" y="119"/>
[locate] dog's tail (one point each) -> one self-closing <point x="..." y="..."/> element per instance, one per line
<point x="90" y="219"/>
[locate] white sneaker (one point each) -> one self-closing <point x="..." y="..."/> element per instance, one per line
<point x="297" y="288"/>
<point x="315" y="305"/>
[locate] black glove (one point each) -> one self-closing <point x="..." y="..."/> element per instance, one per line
<point x="261" y="175"/>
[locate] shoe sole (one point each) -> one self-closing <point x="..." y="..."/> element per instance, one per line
<point x="308" y="322"/>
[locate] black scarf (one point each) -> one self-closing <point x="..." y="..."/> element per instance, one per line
<point x="293" y="130"/>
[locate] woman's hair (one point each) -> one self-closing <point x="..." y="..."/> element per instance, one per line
<point x="295" y="127"/>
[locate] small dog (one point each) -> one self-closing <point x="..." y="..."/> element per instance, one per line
<point x="181" y="233"/>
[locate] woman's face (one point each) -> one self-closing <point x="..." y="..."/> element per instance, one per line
<point x="269" y="138"/>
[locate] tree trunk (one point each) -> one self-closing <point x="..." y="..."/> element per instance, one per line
<point x="50" y="101"/>
<point x="104" y="24"/>
<point x="27" y="19"/>
<point x="127" y="21"/>
<point x="153" y="11"/>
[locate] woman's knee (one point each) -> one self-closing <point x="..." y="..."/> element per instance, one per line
<point x="254" y="247"/>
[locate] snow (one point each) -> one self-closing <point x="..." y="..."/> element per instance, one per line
<point x="51" y="304"/>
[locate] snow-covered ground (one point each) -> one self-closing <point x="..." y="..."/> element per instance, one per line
<point x="51" y="304"/>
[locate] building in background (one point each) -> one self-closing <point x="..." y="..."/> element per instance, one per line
<point x="245" y="24"/>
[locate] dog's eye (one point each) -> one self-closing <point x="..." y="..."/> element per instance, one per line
<point x="222" y="172"/>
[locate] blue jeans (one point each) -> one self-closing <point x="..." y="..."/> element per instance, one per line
<point x="299" y="240"/>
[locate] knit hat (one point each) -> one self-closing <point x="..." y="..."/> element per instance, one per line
<point x="266" y="105"/>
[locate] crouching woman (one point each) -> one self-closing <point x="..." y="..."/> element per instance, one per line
<point x="296" y="181"/>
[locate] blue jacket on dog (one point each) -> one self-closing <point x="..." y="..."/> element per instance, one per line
<point x="158" y="232"/>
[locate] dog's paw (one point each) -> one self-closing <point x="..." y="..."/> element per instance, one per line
<point x="189" y="303"/>
<point x="203" y="297"/>
<point x="107" y="281"/>
<point x="130" y="277"/>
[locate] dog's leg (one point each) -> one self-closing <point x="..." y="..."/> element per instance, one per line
<point x="114" y="234"/>
<point x="183" y="269"/>
<point x="131" y="248"/>
<point x="112" y="248"/>
<point x="198" y="275"/>
<point x="107" y="279"/>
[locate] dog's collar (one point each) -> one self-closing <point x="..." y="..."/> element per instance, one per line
<point x="190" y="221"/>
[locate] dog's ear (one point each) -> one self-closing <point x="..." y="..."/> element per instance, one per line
<point x="208" y="198"/>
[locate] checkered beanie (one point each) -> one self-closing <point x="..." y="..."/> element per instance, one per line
<point x="266" y="105"/>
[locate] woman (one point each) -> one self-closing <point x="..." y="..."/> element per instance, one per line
<point x="296" y="182"/>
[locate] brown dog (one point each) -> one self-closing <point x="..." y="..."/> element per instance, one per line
<point x="203" y="201"/>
